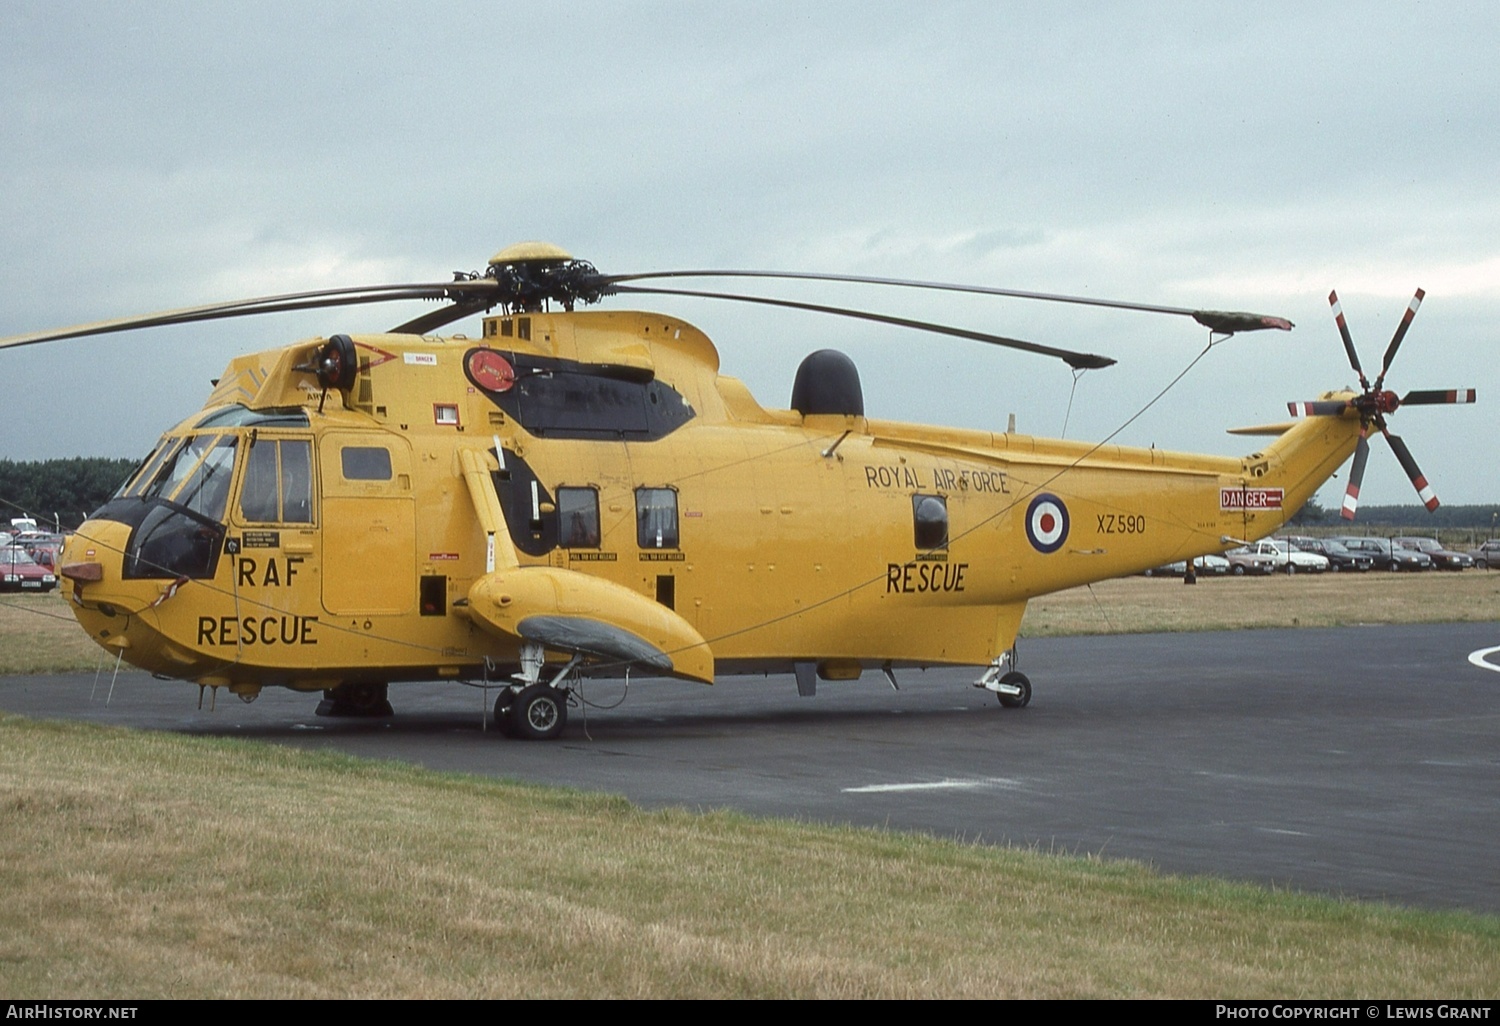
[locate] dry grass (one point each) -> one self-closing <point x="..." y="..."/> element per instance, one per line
<point x="153" y="865"/>
<point x="1132" y="605"/>
<point x="38" y="634"/>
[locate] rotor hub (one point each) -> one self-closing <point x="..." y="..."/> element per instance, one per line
<point x="530" y="274"/>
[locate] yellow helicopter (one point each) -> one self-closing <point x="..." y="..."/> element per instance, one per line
<point x="584" y="494"/>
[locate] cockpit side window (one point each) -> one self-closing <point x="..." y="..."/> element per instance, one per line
<point x="206" y="491"/>
<point x="296" y="481"/>
<point x="177" y="467"/>
<point x="164" y="451"/>
<point x="278" y="482"/>
<point x="144" y="470"/>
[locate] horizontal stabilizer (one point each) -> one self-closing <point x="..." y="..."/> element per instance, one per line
<point x="1265" y="429"/>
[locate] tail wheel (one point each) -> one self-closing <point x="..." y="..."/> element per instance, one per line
<point x="1018" y="680"/>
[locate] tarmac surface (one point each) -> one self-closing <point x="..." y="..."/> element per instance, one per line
<point x="1359" y="761"/>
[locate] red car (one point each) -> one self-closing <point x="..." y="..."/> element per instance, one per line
<point x="19" y="572"/>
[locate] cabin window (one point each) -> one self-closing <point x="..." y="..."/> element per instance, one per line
<point x="929" y="515"/>
<point x="366" y="462"/>
<point x="278" y="482"/>
<point x="656" y="518"/>
<point x="578" y="518"/>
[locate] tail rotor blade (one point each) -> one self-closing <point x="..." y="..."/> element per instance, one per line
<point x="1338" y="317"/>
<point x="1437" y="396"/>
<point x="1356" y="474"/>
<point x="1424" y="490"/>
<point x="1390" y="350"/>
<point x="1322" y="408"/>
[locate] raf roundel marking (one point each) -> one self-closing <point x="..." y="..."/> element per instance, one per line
<point x="1046" y="523"/>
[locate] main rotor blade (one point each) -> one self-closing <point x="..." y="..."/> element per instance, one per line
<point x="1080" y="361"/>
<point x="1436" y="396"/>
<point x="430" y="322"/>
<point x="1357" y="473"/>
<point x="1338" y="317"/>
<point x="1390" y="351"/>
<point x="1221" y="321"/>
<point x="1424" y="490"/>
<point x="264" y="304"/>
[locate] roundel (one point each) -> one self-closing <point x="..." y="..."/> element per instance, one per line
<point x="1046" y="523"/>
<point x="490" y="370"/>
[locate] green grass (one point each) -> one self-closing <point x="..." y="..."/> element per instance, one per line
<point x="141" y="865"/>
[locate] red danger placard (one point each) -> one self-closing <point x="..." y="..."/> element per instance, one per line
<point x="1250" y="498"/>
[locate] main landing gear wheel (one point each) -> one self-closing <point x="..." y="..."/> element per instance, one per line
<point x="1016" y="679"/>
<point x="537" y="713"/>
<point x="356" y="699"/>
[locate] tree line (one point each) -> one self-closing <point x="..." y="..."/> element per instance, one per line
<point x="58" y="493"/>
<point x="1484" y="517"/>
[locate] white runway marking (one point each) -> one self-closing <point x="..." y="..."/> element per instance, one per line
<point x="937" y="785"/>
<point x="1477" y="658"/>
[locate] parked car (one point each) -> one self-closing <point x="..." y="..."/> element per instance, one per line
<point x="1487" y="555"/>
<point x="1249" y="559"/>
<point x="1211" y="564"/>
<point x="19" y="572"/>
<point x="1339" y="558"/>
<point x="1387" y="555"/>
<point x="1287" y="557"/>
<point x="1443" y="559"/>
<point x="1294" y="561"/>
<point x="41" y="546"/>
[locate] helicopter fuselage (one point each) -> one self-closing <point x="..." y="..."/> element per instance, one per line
<point x="290" y="535"/>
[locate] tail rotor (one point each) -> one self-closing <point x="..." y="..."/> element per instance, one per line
<point x="1375" y="403"/>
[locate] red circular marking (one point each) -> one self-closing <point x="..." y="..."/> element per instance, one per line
<point x="1049" y="523"/>
<point x="491" y="371"/>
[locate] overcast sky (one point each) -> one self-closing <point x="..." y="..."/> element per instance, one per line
<point x="159" y="155"/>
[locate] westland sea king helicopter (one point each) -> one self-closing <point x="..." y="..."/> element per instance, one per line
<point x="583" y="493"/>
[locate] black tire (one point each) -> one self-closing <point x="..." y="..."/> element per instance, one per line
<point x="1291" y="568"/>
<point x="356" y="699"/>
<point x="539" y="713"/>
<point x="503" y="722"/>
<point x="1021" y="681"/>
<point x="1238" y="570"/>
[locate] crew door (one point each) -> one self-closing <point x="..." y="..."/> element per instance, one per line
<point x="369" y="525"/>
